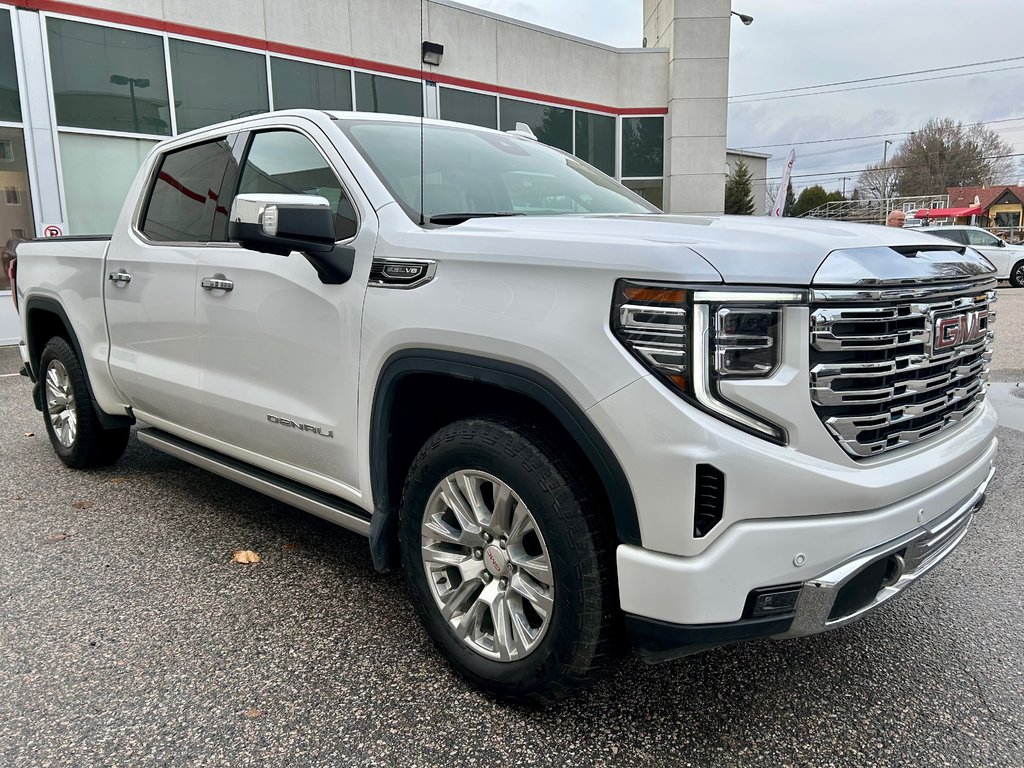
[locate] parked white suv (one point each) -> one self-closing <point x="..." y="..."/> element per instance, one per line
<point x="570" y="417"/>
<point x="1008" y="259"/>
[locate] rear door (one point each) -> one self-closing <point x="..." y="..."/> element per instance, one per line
<point x="150" y="285"/>
<point x="279" y="349"/>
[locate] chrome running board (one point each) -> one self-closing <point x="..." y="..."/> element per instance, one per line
<point x="294" y="494"/>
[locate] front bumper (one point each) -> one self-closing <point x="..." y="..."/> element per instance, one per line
<point x="833" y="599"/>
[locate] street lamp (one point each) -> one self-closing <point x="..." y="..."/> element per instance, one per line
<point x="747" y="20"/>
<point x="132" y="83"/>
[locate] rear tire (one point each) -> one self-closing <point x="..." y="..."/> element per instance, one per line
<point x="76" y="434"/>
<point x="1017" y="275"/>
<point x="507" y="567"/>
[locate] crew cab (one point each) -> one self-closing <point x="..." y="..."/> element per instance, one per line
<point x="572" y="420"/>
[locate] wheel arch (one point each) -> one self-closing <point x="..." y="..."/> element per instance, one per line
<point x="45" y="318"/>
<point x="391" y="456"/>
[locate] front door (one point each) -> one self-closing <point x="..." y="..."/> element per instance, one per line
<point x="150" y="286"/>
<point x="279" y="349"/>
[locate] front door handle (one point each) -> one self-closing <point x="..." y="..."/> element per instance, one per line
<point x="120" y="278"/>
<point x="216" y="283"/>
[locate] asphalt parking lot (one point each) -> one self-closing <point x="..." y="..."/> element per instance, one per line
<point x="128" y="638"/>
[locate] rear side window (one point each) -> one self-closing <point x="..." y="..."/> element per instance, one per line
<point x="285" y="162"/>
<point x="955" y="235"/>
<point x="185" y="195"/>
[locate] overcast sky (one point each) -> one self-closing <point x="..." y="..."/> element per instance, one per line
<point x="794" y="43"/>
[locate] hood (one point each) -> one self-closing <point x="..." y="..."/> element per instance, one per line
<point x="744" y="249"/>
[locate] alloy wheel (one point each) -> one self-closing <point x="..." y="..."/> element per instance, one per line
<point x="60" y="404"/>
<point x="487" y="565"/>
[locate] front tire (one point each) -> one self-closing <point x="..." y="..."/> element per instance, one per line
<point x="507" y="565"/>
<point x="1017" y="275"/>
<point x="76" y="434"/>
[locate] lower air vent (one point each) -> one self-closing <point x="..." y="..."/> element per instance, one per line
<point x="710" y="500"/>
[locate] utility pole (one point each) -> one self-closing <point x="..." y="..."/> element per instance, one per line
<point x="844" y="185"/>
<point x="885" y="179"/>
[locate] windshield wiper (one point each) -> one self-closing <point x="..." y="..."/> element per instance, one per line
<point x="458" y="218"/>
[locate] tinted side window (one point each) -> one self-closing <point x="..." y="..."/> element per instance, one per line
<point x="948" y="234"/>
<point x="285" y="162"/>
<point x="185" y="194"/>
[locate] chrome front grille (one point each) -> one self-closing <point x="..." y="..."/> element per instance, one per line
<point x="877" y="380"/>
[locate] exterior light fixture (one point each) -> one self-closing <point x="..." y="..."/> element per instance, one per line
<point x="747" y="20"/>
<point x="432" y="53"/>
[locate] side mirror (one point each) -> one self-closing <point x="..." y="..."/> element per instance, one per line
<point x="280" y="224"/>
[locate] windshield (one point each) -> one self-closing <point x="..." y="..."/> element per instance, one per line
<point x="466" y="171"/>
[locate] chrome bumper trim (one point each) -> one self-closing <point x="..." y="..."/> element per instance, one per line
<point x="922" y="549"/>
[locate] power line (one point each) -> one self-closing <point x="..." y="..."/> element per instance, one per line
<point x="876" y="85"/>
<point x="866" y="136"/>
<point x="880" y="77"/>
<point x="888" y="167"/>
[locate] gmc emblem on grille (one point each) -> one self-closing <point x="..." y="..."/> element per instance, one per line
<point x="952" y="331"/>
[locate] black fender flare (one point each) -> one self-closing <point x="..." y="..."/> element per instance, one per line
<point x="35" y="349"/>
<point x="516" y="378"/>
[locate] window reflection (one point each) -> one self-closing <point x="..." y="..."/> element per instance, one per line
<point x="15" y="202"/>
<point x="106" y="78"/>
<point x="551" y="125"/>
<point x="213" y="84"/>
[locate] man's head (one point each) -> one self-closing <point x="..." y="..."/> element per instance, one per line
<point x="896" y="219"/>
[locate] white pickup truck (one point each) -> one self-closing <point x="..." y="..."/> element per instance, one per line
<point x="576" y="422"/>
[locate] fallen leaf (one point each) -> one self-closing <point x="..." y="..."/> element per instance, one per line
<point x="250" y="713"/>
<point x="55" y="538"/>
<point x="82" y="504"/>
<point x="30" y="434"/>
<point x="289" y="546"/>
<point x="117" y="480"/>
<point x="245" y="557"/>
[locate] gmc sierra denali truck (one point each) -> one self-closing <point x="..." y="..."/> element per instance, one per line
<point x="574" y="420"/>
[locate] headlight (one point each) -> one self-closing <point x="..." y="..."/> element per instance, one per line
<point x="746" y="341"/>
<point x="693" y="338"/>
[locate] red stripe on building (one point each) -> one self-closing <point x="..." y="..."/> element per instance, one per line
<point x="244" y="41"/>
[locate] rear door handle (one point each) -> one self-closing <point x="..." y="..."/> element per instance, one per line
<point x="120" y="278"/>
<point x="216" y="283"/>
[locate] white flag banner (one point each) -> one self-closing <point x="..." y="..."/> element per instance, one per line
<point x="780" y="198"/>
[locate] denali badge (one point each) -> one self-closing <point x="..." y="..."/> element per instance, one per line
<point x="298" y="425"/>
<point x="950" y="331"/>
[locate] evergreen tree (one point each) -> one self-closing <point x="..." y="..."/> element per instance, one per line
<point x="788" y="209"/>
<point x="739" y="195"/>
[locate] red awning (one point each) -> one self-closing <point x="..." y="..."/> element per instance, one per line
<point x="942" y="213"/>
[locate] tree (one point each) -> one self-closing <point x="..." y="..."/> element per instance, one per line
<point x="790" y="200"/>
<point x="876" y="182"/>
<point x="944" y="153"/>
<point x="739" y="195"/>
<point x="812" y="197"/>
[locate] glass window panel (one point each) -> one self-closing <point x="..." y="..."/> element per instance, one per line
<point x="185" y="195"/>
<point x="468" y="107"/>
<point x="16" y="202"/>
<point x="298" y="84"/>
<point x="212" y="84"/>
<point x="376" y="93"/>
<point x="643" y="146"/>
<point x="652" y="191"/>
<point x="285" y="162"/>
<point x="98" y="170"/>
<point x="552" y="125"/>
<point x="109" y="79"/>
<point x="595" y="140"/>
<point x="10" y="104"/>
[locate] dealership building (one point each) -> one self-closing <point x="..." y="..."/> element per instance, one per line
<point x="87" y="89"/>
